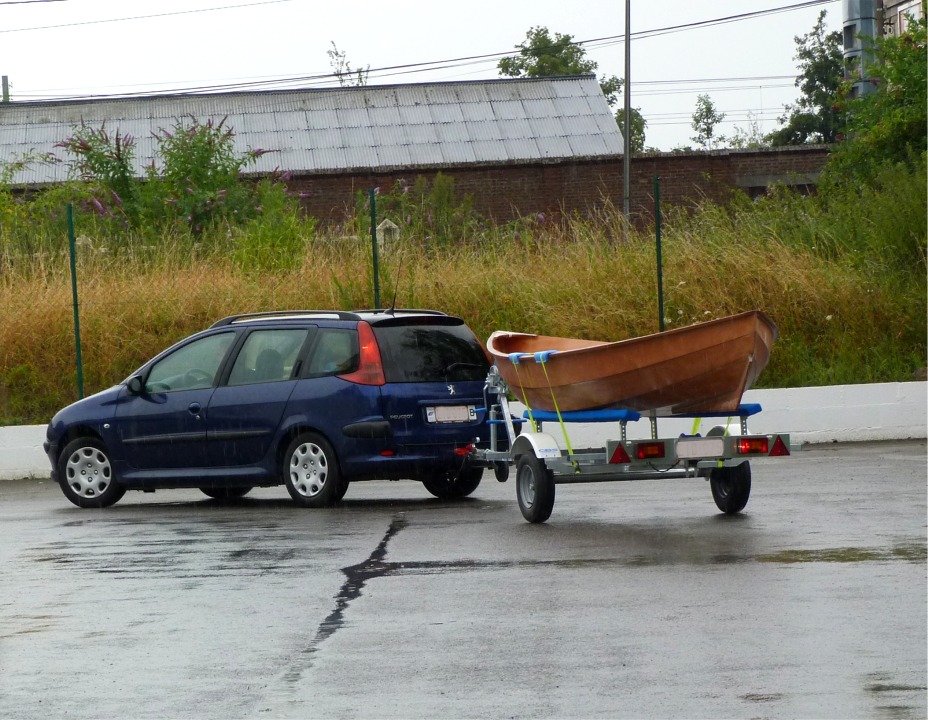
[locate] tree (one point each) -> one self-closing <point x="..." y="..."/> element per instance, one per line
<point x="891" y="124"/>
<point x="638" y="123"/>
<point x="541" y="55"/>
<point x="347" y="76"/>
<point x="814" y="118"/>
<point x="705" y="120"/>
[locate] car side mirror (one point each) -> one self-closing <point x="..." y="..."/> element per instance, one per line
<point x="135" y="386"/>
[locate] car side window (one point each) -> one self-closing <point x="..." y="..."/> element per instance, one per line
<point x="191" y="367"/>
<point x="335" y="353"/>
<point x="268" y="356"/>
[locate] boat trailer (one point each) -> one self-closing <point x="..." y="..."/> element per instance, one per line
<point x="722" y="455"/>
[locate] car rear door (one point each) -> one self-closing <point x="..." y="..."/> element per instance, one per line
<point x="245" y="411"/>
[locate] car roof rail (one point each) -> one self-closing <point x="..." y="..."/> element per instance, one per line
<point x="285" y="315"/>
<point x="399" y="311"/>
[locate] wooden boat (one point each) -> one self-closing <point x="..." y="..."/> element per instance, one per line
<point x="702" y="368"/>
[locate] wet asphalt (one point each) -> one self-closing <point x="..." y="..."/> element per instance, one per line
<point x="634" y="600"/>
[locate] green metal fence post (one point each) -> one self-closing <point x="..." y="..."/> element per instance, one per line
<point x="77" y="319"/>
<point x="660" y="267"/>
<point x="373" y="197"/>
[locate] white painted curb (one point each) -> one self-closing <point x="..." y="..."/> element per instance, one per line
<point x="837" y="413"/>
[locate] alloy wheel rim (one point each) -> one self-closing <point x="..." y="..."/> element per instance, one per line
<point x="527" y="486"/>
<point x="309" y="469"/>
<point x="88" y="472"/>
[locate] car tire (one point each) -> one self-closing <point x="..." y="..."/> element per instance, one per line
<point x="86" y="475"/>
<point x="310" y="472"/>
<point x="342" y="489"/>
<point x="225" y="494"/>
<point x="454" y="486"/>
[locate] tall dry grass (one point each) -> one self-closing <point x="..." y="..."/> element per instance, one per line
<point x="839" y="321"/>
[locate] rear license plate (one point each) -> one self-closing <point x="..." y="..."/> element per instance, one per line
<point x="700" y="447"/>
<point x="451" y="413"/>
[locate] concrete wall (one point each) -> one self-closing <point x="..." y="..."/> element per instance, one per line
<point x="840" y="413"/>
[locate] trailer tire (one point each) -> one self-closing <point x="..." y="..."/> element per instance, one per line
<point x="731" y="487"/>
<point x="534" y="488"/>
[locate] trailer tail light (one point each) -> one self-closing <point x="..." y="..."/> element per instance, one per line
<point x="779" y="448"/>
<point x="370" y="366"/>
<point x="464" y="451"/>
<point x="650" y="450"/>
<point x="753" y="446"/>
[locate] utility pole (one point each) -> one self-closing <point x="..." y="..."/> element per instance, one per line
<point x="627" y="159"/>
<point x="6" y="89"/>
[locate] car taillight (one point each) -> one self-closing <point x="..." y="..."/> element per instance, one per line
<point x="370" y="367"/>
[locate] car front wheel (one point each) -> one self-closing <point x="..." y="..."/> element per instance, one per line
<point x="86" y="474"/>
<point x="310" y="472"/>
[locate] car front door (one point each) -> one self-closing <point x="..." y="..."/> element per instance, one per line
<point x="164" y="426"/>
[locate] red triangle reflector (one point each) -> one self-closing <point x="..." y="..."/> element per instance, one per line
<point x="779" y="448"/>
<point x="619" y="456"/>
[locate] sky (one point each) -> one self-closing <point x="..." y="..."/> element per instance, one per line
<point x="79" y="48"/>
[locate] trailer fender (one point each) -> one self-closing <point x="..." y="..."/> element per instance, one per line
<point x="540" y="444"/>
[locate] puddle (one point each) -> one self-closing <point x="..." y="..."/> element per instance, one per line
<point x="883" y="688"/>
<point x="762" y="697"/>
<point x="916" y="553"/>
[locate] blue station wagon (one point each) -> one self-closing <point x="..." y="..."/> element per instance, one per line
<point x="313" y="400"/>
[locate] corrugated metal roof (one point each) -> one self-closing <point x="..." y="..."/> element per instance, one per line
<point x="345" y="129"/>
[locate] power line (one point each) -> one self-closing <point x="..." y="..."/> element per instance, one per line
<point x="413" y="68"/>
<point x="137" y="17"/>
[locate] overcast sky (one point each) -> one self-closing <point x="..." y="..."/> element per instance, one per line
<point x="746" y="66"/>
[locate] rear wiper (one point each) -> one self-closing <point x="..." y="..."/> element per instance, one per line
<point x="457" y="365"/>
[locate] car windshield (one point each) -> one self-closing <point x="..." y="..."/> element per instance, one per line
<point x="430" y="353"/>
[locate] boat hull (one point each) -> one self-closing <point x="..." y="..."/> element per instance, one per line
<point x="703" y="368"/>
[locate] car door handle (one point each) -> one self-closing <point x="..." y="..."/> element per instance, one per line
<point x="194" y="408"/>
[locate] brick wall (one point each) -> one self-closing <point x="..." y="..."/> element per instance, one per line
<point x="508" y="191"/>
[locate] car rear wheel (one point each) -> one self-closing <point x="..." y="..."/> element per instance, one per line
<point x="230" y="493"/>
<point x="86" y="474"/>
<point x="453" y="486"/>
<point x="310" y="472"/>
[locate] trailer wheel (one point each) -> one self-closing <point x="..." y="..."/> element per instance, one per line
<point x="731" y="487"/>
<point x="534" y="489"/>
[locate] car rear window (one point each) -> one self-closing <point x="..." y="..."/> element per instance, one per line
<point x="430" y="353"/>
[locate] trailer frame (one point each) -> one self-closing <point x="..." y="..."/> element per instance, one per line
<point x="722" y="455"/>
